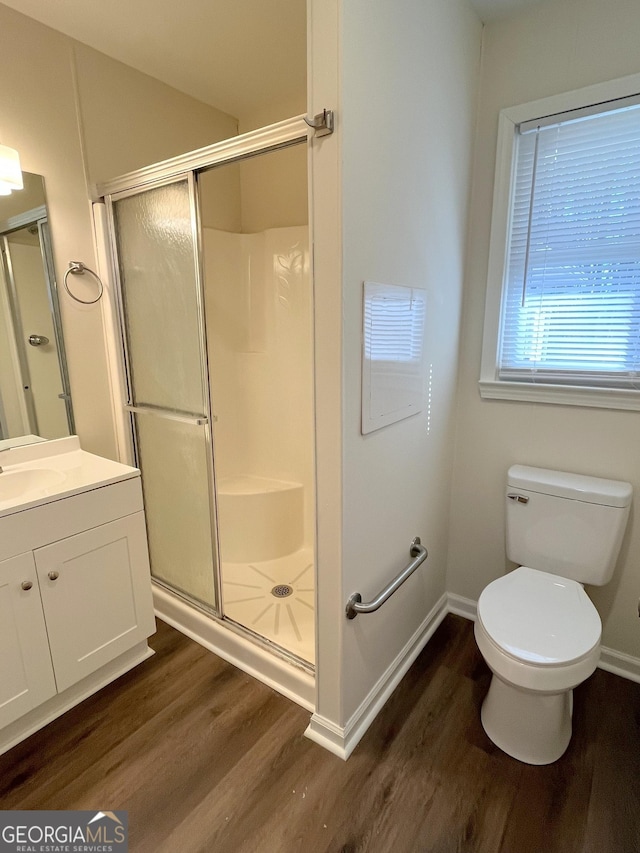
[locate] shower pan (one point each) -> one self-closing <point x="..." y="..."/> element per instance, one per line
<point x="211" y="257"/>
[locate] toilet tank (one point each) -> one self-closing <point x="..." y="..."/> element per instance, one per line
<point x="567" y="524"/>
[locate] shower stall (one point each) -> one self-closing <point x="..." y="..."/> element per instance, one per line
<point x="211" y="257"/>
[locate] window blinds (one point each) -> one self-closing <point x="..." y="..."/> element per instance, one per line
<point x="571" y="306"/>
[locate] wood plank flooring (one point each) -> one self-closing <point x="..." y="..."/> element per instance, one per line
<point x="204" y="758"/>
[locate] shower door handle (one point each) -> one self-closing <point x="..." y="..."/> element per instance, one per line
<point x="38" y="340"/>
<point x="194" y="420"/>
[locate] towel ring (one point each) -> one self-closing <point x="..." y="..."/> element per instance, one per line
<point x="78" y="268"/>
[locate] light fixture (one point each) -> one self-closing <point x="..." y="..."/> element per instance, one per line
<point x="10" y="172"/>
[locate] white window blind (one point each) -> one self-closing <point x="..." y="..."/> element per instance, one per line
<point x="571" y="305"/>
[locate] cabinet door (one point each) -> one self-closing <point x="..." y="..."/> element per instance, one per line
<point x="26" y="674"/>
<point x="96" y="595"/>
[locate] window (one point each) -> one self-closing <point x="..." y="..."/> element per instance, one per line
<point x="566" y="256"/>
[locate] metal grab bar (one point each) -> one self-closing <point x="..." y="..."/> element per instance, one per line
<point x="355" y="605"/>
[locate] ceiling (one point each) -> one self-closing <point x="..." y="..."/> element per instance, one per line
<point x="238" y="55"/>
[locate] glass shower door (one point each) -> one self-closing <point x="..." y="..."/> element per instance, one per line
<point x="157" y="258"/>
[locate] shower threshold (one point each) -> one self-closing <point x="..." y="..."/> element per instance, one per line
<point x="260" y="658"/>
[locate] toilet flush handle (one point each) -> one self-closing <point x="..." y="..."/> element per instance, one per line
<point x="521" y="499"/>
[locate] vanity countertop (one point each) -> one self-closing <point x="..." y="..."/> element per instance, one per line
<point x="40" y="473"/>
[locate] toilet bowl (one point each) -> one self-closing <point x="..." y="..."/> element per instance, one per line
<point x="540" y="636"/>
<point x="536" y="627"/>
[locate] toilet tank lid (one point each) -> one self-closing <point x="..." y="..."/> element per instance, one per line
<point x="579" y="487"/>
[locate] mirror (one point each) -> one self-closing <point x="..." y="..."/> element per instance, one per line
<point x="35" y="402"/>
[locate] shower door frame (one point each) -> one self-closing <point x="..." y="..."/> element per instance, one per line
<point x="274" y="137"/>
<point x="166" y="414"/>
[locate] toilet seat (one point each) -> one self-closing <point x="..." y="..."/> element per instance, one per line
<point x="539" y="619"/>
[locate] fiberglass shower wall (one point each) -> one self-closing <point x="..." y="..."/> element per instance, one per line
<point x="259" y="329"/>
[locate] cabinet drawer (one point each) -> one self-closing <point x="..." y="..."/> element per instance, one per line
<point x="35" y="527"/>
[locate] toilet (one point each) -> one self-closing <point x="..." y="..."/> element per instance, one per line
<point x="536" y="627"/>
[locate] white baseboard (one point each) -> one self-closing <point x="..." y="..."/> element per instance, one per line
<point x="620" y="664"/>
<point x="343" y="740"/>
<point x="328" y="735"/>
<point x="626" y="666"/>
<point x="298" y="686"/>
<point x="461" y="606"/>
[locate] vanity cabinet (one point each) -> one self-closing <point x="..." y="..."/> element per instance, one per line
<point x="95" y="596"/>
<point x="69" y="608"/>
<point x="76" y="606"/>
<point x="26" y="672"/>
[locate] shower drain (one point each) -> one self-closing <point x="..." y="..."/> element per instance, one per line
<point x="282" y="590"/>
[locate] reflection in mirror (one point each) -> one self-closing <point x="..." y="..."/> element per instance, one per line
<point x="34" y="386"/>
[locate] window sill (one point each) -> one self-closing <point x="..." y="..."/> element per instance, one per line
<point x="566" y="395"/>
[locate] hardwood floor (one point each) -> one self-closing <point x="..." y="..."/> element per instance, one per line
<point x="204" y="758"/>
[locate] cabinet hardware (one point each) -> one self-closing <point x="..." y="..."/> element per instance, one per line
<point x="53" y="576"/>
<point x="26" y="585"/>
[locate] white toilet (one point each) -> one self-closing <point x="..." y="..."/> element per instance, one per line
<point x="536" y="627"/>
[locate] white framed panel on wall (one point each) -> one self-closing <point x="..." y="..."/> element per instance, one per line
<point x="393" y="353"/>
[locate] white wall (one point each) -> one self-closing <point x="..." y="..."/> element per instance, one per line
<point x="404" y="169"/>
<point x="74" y="135"/>
<point x="277" y="109"/>
<point x="323" y="21"/>
<point x="38" y="117"/>
<point x="555" y="47"/>
<point x="152" y="123"/>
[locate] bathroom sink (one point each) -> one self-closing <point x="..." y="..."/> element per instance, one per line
<point x="39" y="473"/>
<point x="14" y="484"/>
